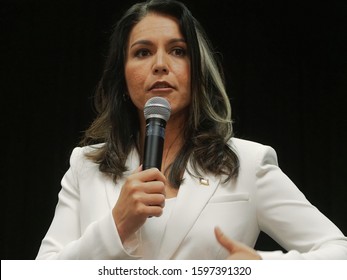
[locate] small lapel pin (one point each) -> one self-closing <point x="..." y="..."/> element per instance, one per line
<point x="204" y="182"/>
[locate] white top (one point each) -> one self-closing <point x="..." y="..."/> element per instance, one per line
<point x="262" y="198"/>
<point x="152" y="232"/>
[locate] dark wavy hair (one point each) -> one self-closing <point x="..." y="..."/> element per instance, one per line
<point x="209" y="125"/>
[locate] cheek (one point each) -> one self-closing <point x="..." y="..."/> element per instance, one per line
<point x="135" y="85"/>
<point x="185" y="82"/>
<point x="183" y="72"/>
<point x="134" y="78"/>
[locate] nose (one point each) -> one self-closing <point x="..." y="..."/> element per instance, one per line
<point x="160" y="65"/>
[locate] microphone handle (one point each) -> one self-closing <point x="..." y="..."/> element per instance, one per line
<point x="154" y="142"/>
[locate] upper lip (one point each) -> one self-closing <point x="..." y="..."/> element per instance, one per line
<point x="160" y="84"/>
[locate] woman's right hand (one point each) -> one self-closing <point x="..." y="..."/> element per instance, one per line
<point x="142" y="196"/>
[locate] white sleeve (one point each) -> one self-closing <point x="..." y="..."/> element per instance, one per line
<point x="290" y="219"/>
<point x="64" y="239"/>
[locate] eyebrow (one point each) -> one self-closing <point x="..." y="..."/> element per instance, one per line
<point x="150" y="43"/>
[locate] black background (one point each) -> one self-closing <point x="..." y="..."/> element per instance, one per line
<point x="286" y="69"/>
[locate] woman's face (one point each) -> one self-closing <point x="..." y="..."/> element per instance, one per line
<point x="157" y="63"/>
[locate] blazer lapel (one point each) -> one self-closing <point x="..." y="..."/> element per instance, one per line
<point x="192" y="197"/>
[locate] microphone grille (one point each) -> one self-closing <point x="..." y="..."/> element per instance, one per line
<point x="157" y="107"/>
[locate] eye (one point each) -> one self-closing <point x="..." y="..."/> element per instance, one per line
<point x="179" y="52"/>
<point x="142" y="53"/>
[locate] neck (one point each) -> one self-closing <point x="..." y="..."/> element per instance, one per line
<point x="172" y="144"/>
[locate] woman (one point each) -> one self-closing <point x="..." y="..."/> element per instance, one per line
<point x="109" y="208"/>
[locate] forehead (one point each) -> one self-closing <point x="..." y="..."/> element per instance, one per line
<point x="155" y="26"/>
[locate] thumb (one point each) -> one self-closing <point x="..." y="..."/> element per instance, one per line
<point x="237" y="250"/>
<point x="137" y="169"/>
<point x="226" y="242"/>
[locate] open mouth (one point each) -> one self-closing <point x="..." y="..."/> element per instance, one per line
<point x="161" y="85"/>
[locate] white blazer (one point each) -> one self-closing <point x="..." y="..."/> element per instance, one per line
<point x="261" y="199"/>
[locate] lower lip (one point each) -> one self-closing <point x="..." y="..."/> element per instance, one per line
<point x="161" y="90"/>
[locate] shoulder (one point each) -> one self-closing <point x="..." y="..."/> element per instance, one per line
<point x="253" y="152"/>
<point x="81" y="156"/>
<point x="246" y="146"/>
<point x="81" y="153"/>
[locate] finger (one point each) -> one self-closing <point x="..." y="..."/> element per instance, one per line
<point x="152" y="211"/>
<point x="154" y="199"/>
<point x="153" y="174"/>
<point x="154" y="187"/>
<point x="137" y="169"/>
<point x="155" y="211"/>
<point x="226" y="242"/>
<point x="148" y="175"/>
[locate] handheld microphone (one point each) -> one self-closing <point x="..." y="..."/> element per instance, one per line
<point x="157" y="111"/>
